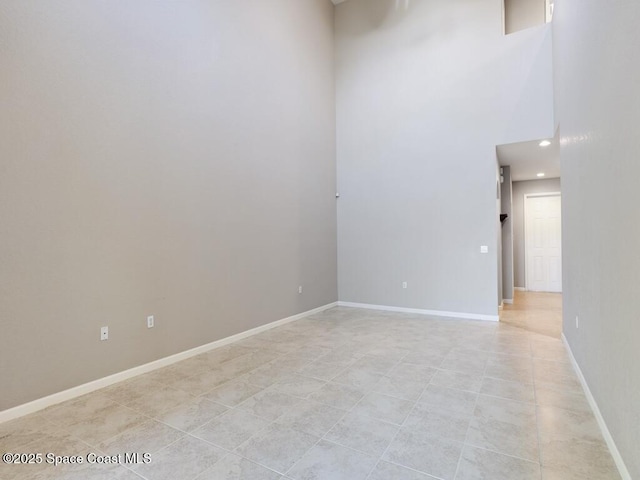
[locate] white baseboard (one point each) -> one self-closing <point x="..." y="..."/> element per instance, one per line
<point x="94" y="385"/>
<point x="520" y="289"/>
<point x="615" y="453"/>
<point x="435" y="313"/>
<point x="508" y="301"/>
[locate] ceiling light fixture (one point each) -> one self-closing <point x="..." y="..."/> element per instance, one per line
<point x="540" y="174"/>
<point x="545" y="143"/>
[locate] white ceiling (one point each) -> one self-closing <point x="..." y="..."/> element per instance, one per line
<point x="336" y="2"/>
<point x="527" y="159"/>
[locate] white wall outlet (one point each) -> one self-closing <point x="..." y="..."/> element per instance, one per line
<point x="577" y="322"/>
<point x="150" y="321"/>
<point x="484" y="249"/>
<point x="300" y="289"/>
<point x="404" y="285"/>
<point x="104" y="333"/>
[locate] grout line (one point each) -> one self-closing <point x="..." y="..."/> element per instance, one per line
<point x="535" y="399"/>
<point x="475" y="406"/>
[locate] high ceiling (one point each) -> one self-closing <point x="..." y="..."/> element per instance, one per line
<point x="527" y="159"/>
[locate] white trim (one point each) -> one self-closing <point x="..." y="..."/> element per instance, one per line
<point x="436" y="313"/>
<point x="524" y="204"/>
<point x="508" y="301"/>
<point x="94" y="385"/>
<point x="520" y="289"/>
<point x="615" y="453"/>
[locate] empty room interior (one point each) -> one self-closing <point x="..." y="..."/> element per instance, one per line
<point x="319" y="240"/>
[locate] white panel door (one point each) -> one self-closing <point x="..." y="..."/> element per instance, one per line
<point x="543" y="243"/>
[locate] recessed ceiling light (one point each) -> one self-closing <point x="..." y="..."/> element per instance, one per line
<point x="540" y="174"/>
<point x="545" y="143"/>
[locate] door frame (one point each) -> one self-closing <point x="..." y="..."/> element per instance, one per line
<point x="526" y="256"/>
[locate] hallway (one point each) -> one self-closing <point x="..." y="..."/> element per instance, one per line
<point x="536" y="312"/>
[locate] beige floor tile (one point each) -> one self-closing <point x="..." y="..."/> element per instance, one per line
<point x="231" y="428"/>
<point x="158" y="400"/>
<point x="311" y="417"/>
<point x="233" y="393"/>
<point x="556" y="422"/>
<point x="298" y="386"/>
<point x="322" y="370"/>
<point x="87" y="471"/>
<point x="383" y="407"/>
<point x="184" y="459"/>
<point x="330" y="461"/>
<point x="569" y="398"/>
<point x="388" y="471"/>
<point x="510" y="368"/>
<point x="129" y="390"/>
<point x="419" y="373"/>
<point x="78" y="410"/>
<point x="363" y="433"/>
<point x="358" y="378"/>
<point x="591" y="459"/>
<point x="522" y="392"/>
<point x="479" y="464"/>
<point x="405" y="387"/>
<point x="458" y="380"/>
<point x="148" y="437"/>
<point x="432" y="357"/>
<point x="269" y="404"/>
<point x="457" y="401"/>
<point x="234" y="467"/>
<point x="375" y="363"/>
<point x="504" y="437"/>
<point x="337" y="395"/>
<point x="277" y="447"/>
<point x="505" y="410"/>
<point x="578" y="473"/>
<point x="465" y="363"/>
<point x="106" y="424"/>
<point x="202" y="382"/>
<point x="426" y="453"/>
<point x="436" y="421"/>
<point x="17" y="434"/>
<point x="191" y="414"/>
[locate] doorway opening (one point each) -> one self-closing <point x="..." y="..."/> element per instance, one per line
<point x="530" y="233"/>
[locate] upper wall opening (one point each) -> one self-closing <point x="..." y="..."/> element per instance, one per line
<point x="521" y="14"/>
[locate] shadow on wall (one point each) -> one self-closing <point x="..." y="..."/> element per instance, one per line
<point x="386" y="14"/>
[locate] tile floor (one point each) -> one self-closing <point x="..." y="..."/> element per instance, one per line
<point x="346" y="394"/>
<point x="535" y="311"/>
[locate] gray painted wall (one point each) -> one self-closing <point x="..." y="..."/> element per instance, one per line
<point x="521" y="14"/>
<point x="507" y="234"/>
<point x="520" y="189"/>
<point x="598" y="108"/>
<point x="167" y="158"/>
<point x="424" y="94"/>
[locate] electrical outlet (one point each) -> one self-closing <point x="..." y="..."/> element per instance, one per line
<point x="484" y="249"/>
<point x="150" y="321"/>
<point x="577" y="322"/>
<point x="404" y="285"/>
<point x="104" y="333"/>
<point x="300" y="289"/>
